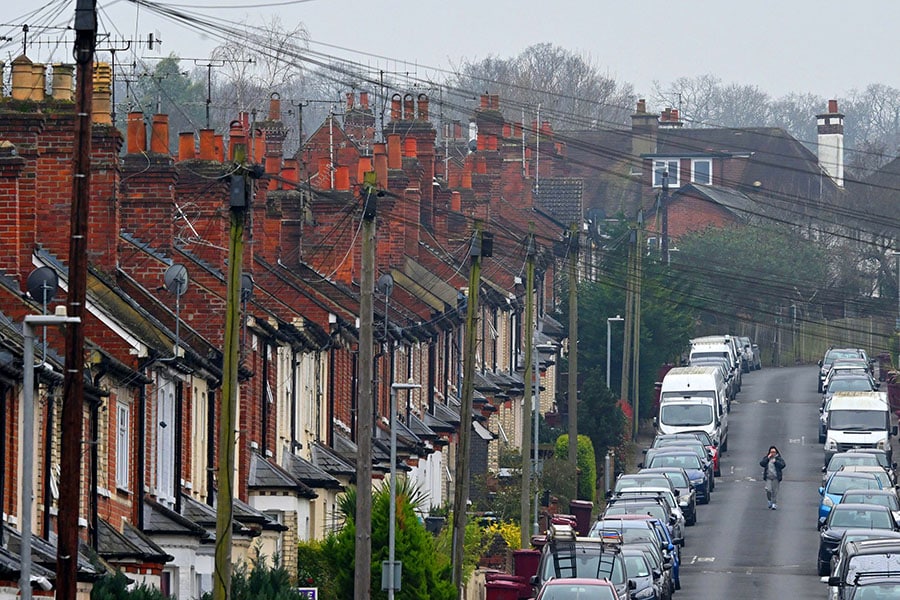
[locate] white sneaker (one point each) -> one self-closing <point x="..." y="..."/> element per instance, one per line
<point x="774" y="506"/>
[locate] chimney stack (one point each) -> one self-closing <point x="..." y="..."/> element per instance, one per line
<point x="186" y="146"/>
<point x="102" y="109"/>
<point x="831" y="142"/>
<point x="644" y="129"/>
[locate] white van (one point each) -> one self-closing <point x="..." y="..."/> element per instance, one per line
<point x="858" y="420"/>
<point x="694" y="399"/>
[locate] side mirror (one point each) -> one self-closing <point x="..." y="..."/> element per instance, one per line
<point x="834" y="581"/>
<point x="819" y="363"/>
<point x="608" y="494"/>
<point x="821" y="491"/>
<point x="824" y="469"/>
<point x="632" y="585"/>
<point x="644" y="451"/>
<point x="640" y="465"/>
<point x="534" y="580"/>
<point x="893" y="465"/>
<point x="894" y="430"/>
<point x="655" y="422"/>
<point x="656" y="573"/>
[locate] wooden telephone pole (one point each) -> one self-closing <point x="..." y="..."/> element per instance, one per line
<point x="73" y="379"/>
<point x="481" y="248"/>
<point x="366" y="404"/>
<point x="528" y="468"/>
<point x="573" y="357"/>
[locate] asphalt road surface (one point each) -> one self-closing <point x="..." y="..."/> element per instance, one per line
<point x="740" y="549"/>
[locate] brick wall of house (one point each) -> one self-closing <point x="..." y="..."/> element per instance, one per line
<point x="688" y="214"/>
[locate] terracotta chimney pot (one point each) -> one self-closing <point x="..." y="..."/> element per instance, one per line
<point x="423" y="107"/>
<point x="410" y="148"/>
<point x="137" y="133"/>
<point x="207" y="144"/>
<point x="186" y="145"/>
<point x="275" y="107"/>
<point x="396" y="107"/>
<point x="342" y="178"/>
<point x="159" y="134"/>
<point x="63" y="78"/>
<point x="395" y="160"/>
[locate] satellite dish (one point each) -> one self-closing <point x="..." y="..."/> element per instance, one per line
<point x="246" y="286"/>
<point x="385" y="284"/>
<point x="176" y="279"/>
<point x="42" y="284"/>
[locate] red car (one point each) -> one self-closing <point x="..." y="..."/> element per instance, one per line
<point x="578" y="589"/>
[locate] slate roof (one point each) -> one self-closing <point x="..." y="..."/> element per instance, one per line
<point x="267" y="475"/>
<point x="562" y="198"/>
<point x="160" y="519"/>
<point x="309" y="473"/>
<point x="130" y="543"/>
<point x="246" y="514"/>
<point x="331" y="462"/>
<point x="446" y="414"/>
<point x="43" y="554"/>
<point x="736" y="202"/>
<point x="11" y="567"/>
<point x="347" y="449"/>
<point x="205" y="515"/>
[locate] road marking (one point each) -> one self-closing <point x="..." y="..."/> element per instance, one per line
<point x="705" y="558"/>
<point x="795" y="440"/>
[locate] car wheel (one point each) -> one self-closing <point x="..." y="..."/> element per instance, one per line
<point x="823" y="568"/>
<point x="712" y="483"/>
<point x="692" y="520"/>
<point x="821" y="439"/>
<point x="718" y="472"/>
<point x="725" y="445"/>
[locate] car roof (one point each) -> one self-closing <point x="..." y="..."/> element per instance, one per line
<point x="851" y="474"/>
<point x="881" y="492"/>
<point x="579" y="581"/>
<point x="877" y="533"/>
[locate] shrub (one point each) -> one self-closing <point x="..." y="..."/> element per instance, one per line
<point x="587" y="464"/>
<point x="115" y="587"/>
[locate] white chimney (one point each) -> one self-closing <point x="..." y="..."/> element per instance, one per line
<point x="831" y="142"/>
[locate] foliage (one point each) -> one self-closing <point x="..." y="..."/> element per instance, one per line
<point x="426" y="572"/>
<point x="509" y="532"/>
<point x="587" y="464"/>
<point x="471" y="544"/>
<point x="313" y="568"/>
<point x="743" y="272"/>
<point x="556" y="478"/>
<point x="262" y="582"/>
<point x="600" y="416"/>
<point x="115" y="587"/>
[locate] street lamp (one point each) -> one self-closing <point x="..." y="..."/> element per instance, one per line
<point x="609" y="321"/>
<point x="28" y="438"/>
<point x="897" y="254"/>
<point x="391" y="570"/>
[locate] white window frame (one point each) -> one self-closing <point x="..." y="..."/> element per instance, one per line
<point x="694" y="170"/>
<point x="672" y="165"/>
<point x="123" y="446"/>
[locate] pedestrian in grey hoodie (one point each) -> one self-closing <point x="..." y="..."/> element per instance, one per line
<point x="772" y="465"/>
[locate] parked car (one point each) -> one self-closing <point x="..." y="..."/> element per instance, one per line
<point x="566" y="556"/>
<point x="839" y="483"/>
<point x="690" y="462"/>
<point x="658" y="504"/>
<point x="846" y="382"/>
<point x="689" y="439"/>
<point x="642" y="529"/>
<point x="577" y="589"/>
<point x="857" y="535"/>
<point x="856" y="457"/>
<point x="687" y="496"/>
<point x="886" y="498"/>
<point x="849" y="516"/>
<point x="862" y="558"/>
<point x="697" y="448"/>
<point x="638" y="569"/>
<point x="831" y="355"/>
<point x="884" y="478"/>
<point x="662" y="571"/>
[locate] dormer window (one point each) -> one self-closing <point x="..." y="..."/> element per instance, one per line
<point x="701" y="171"/>
<point x="669" y="166"/>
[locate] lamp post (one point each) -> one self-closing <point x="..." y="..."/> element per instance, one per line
<point x="609" y="321"/>
<point x="28" y="438"/>
<point x="392" y="568"/>
<point x="896" y="254"/>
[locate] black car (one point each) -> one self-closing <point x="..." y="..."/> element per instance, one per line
<point x="566" y="555"/>
<point x="857" y="535"/>
<point x="688" y="461"/>
<point x="864" y="557"/>
<point x="849" y="516"/>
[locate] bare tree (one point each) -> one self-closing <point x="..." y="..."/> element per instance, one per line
<point x="569" y="87"/>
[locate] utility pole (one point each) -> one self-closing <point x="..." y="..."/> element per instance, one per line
<point x="629" y="317"/>
<point x="636" y="318"/>
<point x="241" y="193"/>
<point x="573" y="356"/>
<point x="73" y="379"/>
<point x="365" y="408"/>
<point x="481" y="247"/>
<point x="528" y="400"/>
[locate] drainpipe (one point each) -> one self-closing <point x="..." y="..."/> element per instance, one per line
<point x="4" y="390"/>
<point x="95" y="459"/>
<point x="139" y="468"/>
<point x="210" y="446"/>
<point x="354" y="396"/>
<point x="264" y="436"/>
<point x="48" y="462"/>
<point x="293" y="400"/>
<point x="432" y="366"/>
<point x="179" y="441"/>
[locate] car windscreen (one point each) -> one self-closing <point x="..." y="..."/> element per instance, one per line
<point x="636" y="566"/>
<point x="876" y="591"/>
<point x="678" y="478"/>
<point x="849" y="384"/>
<point x="685" y="415"/>
<point x="858" y="420"/>
<point x="854" y="518"/>
<point x="632" y="532"/>
<point x="685" y="461"/>
<point x="590" y="561"/>
<point x="889" y="500"/>
<point x="695" y="355"/>
<point x="632" y="508"/>
<point x="866" y="563"/>
<point x="862" y="460"/>
<point x="711" y="394"/>
<point x="839" y="485"/>
<point x="570" y="590"/>
<point x="627" y="483"/>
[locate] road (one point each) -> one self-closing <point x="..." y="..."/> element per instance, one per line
<point x="739" y="548"/>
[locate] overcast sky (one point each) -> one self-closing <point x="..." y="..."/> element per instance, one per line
<point x="825" y="47"/>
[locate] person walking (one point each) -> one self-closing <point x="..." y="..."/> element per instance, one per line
<point x="773" y="464"/>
